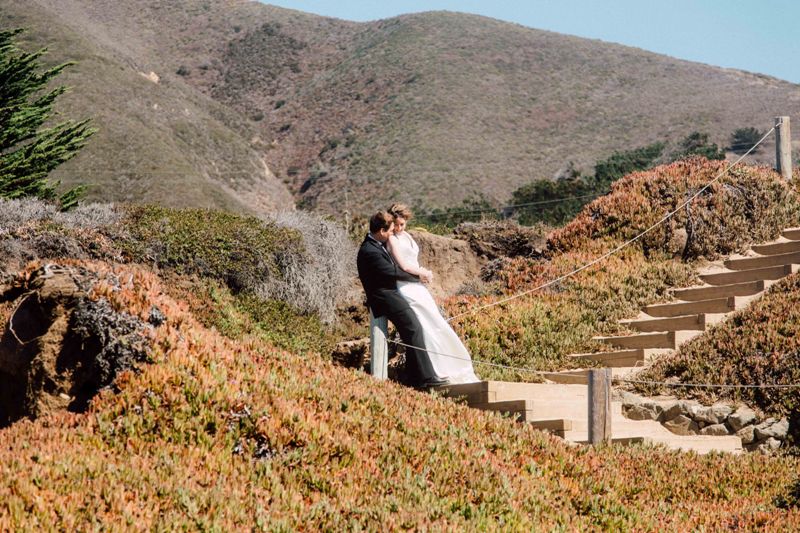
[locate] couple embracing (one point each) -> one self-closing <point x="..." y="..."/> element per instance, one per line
<point x="394" y="283"/>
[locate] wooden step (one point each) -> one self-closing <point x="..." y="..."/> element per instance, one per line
<point x="485" y="392"/>
<point x="697" y="322"/>
<point x="581" y="376"/>
<point x="791" y="233"/>
<point x="749" y="263"/>
<point x="717" y="305"/>
<point x="661" y="340"/>
<point x="775" y="248"/>
<point x="748" y="288"/>
<point x="556" y="426"/>
<point x="742" y="276"/>
<point x="630" y="357"/>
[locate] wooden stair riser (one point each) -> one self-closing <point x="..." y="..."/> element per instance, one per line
<point x="611" y="359"/>
<point x="791" y="233"/>
<point x="667" y="340"/>
<point x="749" y="263"/>
<point x="692" y="322"/>
<point x="749" y="288"/>
<point x="777" y="248"/>
<point x="717" y="305"/>
<point x="756" y="274"/>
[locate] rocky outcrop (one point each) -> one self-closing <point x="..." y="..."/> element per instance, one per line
<point x="688" y="417"/>
<point x="452" y="261"/>
<point x="62" y="344"/>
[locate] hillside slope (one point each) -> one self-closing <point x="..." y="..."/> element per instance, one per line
<point x="429" y="108"/>
<point x="159" y="140"/>
<point x="215" y="434"/>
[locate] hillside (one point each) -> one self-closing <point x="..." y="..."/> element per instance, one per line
<point x="430" y="108"/>
<point x="204" y="429"/>
<point x="159" y="140"/>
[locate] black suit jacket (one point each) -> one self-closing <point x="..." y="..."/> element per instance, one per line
<point x="379" y="276"/>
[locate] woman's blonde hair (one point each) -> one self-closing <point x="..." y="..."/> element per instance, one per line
<point x="400" y="210"/>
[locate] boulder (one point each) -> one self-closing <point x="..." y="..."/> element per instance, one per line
<point x="685" y="408"/>
<point x="682" y="425"/>
<point x="743" y="416"/>
<point x="715" y="414"/>
<point x="642" y="411"/>
<point x="772" y="429"/>
<point x="747" y="434"/>
<point x="715" y="429"/>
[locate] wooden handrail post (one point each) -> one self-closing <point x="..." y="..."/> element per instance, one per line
<point x="783" y="147"/>
<point x="378" y="346"/>
<point x="599" y="406"/>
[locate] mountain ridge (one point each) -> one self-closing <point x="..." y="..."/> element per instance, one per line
<point x="429" y="108"/>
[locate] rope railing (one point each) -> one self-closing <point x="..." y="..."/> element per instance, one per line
<point x="621" y="246"/>
<point x="594" y="262"/>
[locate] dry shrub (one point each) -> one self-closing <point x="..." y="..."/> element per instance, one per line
<point x="748" y="204"/>
<point x="503" y="238"/>
<point x="16" y="213"/>
<point x="316" y="279"/>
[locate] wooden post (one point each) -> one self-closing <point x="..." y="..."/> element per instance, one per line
<point x="378" y="347"/>
<point x="599" y="406"/>
<point x="783" y="147"/>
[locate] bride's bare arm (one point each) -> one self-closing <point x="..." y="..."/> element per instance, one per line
<point x="391" y="245"/>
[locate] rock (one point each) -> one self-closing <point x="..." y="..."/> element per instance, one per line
<point x="642" y="411"/>
<point x="715" y="429"/>
<point x="771" y="429"/>
<point x="769" y="445"/>
<point x="765" y="447"/>
<point x="710" y="415"/>
<point x="747" y="434"/>
<point x="743" y="416"/>
<point x="682" y="425"/>
<point x="680" y="407"/>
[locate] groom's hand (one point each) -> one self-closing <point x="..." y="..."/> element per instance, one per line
<point x="426" y="276"/>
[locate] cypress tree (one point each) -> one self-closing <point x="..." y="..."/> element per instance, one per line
<point x="28" y="150"/>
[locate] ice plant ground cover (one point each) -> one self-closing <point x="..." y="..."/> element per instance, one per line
<point x="221" y="434"/>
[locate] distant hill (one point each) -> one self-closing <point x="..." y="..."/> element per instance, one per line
<point x="429" y="108"/>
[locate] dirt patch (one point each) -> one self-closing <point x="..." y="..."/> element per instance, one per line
<point x="452" y="261"/>
<point x="61" y="345"/>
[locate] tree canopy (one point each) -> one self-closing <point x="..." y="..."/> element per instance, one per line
<point x="29" y="148"/>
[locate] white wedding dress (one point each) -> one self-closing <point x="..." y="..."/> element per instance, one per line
<point x="448" y="356"/>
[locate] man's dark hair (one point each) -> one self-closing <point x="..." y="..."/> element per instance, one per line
<point x="380" y="220"/>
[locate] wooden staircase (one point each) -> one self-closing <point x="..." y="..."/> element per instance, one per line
<point x="562" y="406"/>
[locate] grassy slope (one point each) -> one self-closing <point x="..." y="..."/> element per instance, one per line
<point x="429" y="108"/>
<point x="223" y="435"/>
<point x="164" y="142"/>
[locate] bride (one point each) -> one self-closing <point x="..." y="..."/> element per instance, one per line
<point x="449" y="358"/>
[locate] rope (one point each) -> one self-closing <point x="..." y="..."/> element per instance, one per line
<point x="504" y="207"/>
<point x="621" y="246"/>
<point x="711" y="385"/>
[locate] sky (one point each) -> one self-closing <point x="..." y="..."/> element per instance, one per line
<point x="753" y="35"/>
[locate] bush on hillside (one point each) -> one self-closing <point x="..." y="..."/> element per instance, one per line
<point x="697" y="144"/>
<point x="742" y="139"/>
<point x="295" y="258"/>
<point x="316" y="281"/>
<point x="557" y="201"/>
<point x="746" y="205"/>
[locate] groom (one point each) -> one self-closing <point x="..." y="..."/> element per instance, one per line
<point x="379" y="275"/>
